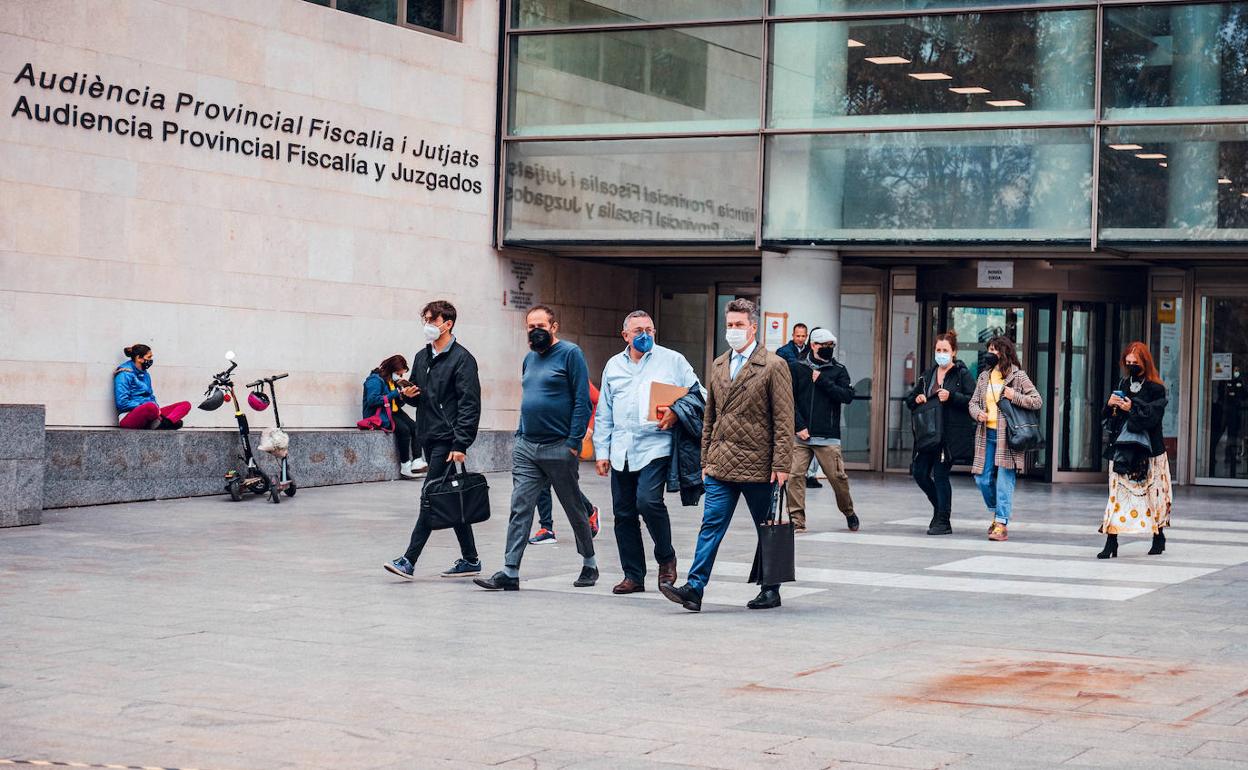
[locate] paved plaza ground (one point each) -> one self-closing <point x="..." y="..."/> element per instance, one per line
<point x="203" y="634"/>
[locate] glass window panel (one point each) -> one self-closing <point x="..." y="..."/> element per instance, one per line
<point x="1185" y="61"/>
<point x="1174" y="183"/>
<point x="692" y="190"/>
<point x="439" y="15"/>
<point x="805" y="7"/>
<point x="905" y="367"/>
<point x="1222" y="400"/>
<point x="1167" y="345"/>
<point x="934" y="70"/>
<point x="638" y="81"/>
<point x="856" y="350"/>
<point x="1004" y="185"/>
<point x="381" y="10"/>
<point x="571" y="13"/>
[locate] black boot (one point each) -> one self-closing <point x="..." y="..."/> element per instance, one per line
<point x="1111" y="548"/>
<point x="1159" y="543"/>
<point x="940" y="524"/>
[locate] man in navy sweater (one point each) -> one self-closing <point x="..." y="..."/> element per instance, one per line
<point x="554" y="413"/>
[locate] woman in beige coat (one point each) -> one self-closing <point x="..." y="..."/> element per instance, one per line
<point x="996" y="466"/>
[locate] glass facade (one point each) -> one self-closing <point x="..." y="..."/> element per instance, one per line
<point x="891" y="121"/>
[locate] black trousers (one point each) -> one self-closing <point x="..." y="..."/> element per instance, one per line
<point x="637" y="496"/>
<point x="435" y="455"/>
<point x="405" y="436"/>
<point x="931" y="473"/>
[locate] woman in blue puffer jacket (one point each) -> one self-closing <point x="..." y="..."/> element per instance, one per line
<point x="135" y="400"/>
<point x="384" y="386"/>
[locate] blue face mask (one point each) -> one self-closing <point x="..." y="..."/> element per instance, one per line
<point x="943" y="359"/>
<point x="643" y="342"/>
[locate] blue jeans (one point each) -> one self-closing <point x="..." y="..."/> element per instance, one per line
<point x="996" y="483"/>
<point x="721" y="502"/>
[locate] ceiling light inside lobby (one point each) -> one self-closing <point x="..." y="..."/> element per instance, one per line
<point x="1224" y="180"/>
<point x="1151" y="155"/>
<point x="969" y="90"/>
<point x="1126" y="147"/>
<point x="930" y="76"/>
<point x="1006" y="103"/>
<point x="855" y="43"/>
<point x="888" y="60"/>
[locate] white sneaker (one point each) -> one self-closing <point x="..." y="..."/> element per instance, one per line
<point x="405" y="470"/>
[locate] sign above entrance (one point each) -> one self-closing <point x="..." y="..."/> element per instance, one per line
<point x="995" y="275"/>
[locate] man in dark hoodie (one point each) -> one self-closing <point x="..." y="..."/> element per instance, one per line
<point x="821" y="385"/>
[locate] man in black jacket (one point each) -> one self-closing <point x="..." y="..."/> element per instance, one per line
<point x="448" y="412"/>
<point x="820" y="386"/>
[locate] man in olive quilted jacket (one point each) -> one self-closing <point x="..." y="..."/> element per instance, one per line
<point x="747" y="447"/>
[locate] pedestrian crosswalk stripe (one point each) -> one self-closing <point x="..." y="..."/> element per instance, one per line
<point x="1189" y="553"/>
<point x="1182" y="533"/>
<point x="950" y="583"/>
<point x="1065" y="568"/>
<point x="719" y="592"/>
<point x="1214" y="524"/>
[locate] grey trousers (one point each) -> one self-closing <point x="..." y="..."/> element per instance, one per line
<point x="533" y="467"/>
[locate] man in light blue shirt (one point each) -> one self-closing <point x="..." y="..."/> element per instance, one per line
<point x="635" y="449"/>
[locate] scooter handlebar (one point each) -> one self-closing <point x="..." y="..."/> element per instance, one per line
<point x="263" y="380"/>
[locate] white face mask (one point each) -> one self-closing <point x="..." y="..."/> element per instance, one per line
<point x="943" y="359"/>
<point x="395" y="376"/>
<point x="432" y="332"/>
<point x="736" y="338"/>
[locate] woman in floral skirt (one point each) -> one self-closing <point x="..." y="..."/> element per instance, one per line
<point x="1140" y="494"/>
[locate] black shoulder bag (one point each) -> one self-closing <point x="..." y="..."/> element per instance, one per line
<point x="927" y="420"/>
<point x="1022" y="426"/>
<point x="459" y="497"/>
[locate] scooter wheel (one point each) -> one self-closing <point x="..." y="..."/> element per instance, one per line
<point x="291" y="489"/>
<point x="235" y="488"/>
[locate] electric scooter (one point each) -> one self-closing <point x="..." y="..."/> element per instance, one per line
<point x="274" y="441"/>
<point x="252" y="479"/>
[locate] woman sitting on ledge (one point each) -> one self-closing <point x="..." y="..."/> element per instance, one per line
<point x="136" y="403"/>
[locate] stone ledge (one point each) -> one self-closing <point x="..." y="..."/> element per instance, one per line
<point x="22" y="452"/>
<point x="94" y="466"/>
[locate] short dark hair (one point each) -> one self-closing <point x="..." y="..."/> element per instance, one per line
<point x="743" y="305"/>
<point x="440" y="308"/>
<point x="547" y="309"/>
<point x="798" y="326"/>
<point x="137" y="350"/>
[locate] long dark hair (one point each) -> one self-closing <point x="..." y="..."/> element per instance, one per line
<point x="391" y="365"/>
<point x="1005" y="352"/>
<point x="137" y="350"/>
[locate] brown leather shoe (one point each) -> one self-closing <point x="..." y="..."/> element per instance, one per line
<point x="627" y="586"/>
<point x="667" y="571"/>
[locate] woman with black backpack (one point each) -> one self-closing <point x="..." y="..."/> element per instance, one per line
<point x="944" y="431"/>
<point x="1140" y="494"/>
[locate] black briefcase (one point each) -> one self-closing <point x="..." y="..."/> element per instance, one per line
<point x="774" y="559"/>
<point x="459" y="497"/>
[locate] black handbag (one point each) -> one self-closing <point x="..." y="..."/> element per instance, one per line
<point x="774" y="559"/>
<point x="1022" y="426"/>
<point x="459" y="497"/>
<point x="927" y="420"/>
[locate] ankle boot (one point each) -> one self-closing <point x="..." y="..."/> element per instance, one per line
<point x="1111" y="548"/>
<point x="940" y="524"/>
<point x="1159" y="543"/>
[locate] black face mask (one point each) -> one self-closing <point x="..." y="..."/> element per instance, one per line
<point x="147" y="364"/>
<point x="1135" y="370"/>
<point x="823" y="354"/>
<point x="991" y="360"/>
<point x="540" y="340"/>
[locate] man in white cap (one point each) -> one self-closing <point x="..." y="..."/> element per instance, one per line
<point x="821" y="385"/>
